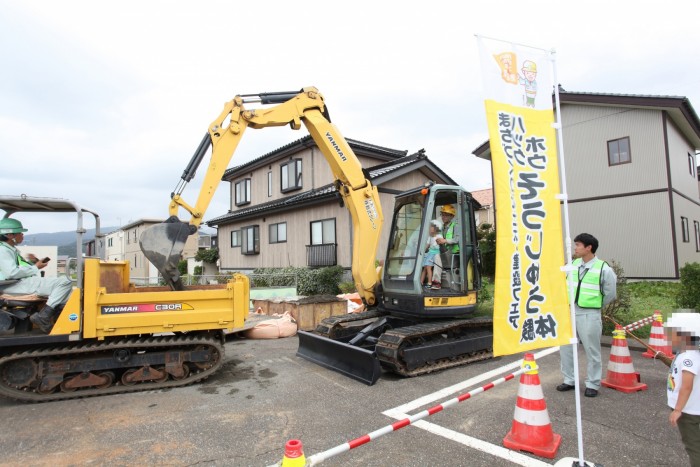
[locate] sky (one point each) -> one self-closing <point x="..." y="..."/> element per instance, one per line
<point x="104" y="103"/>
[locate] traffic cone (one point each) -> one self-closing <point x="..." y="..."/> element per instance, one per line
<point x="293" y="454"/>
<point x="532" y="430"/>
<point x="657" y="339"/>
<point x="621" y="375"/>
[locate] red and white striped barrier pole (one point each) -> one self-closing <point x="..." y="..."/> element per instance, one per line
<point x="322" y="456"/>
<point x="639" y="324"/>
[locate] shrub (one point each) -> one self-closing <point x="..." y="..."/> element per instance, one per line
<point x="274" y="277"/>
<point x="182" y="267"/>
<point x="208" y="256"/>
<point x="486" y="236"/>
<point x="618" y="309"/>
<point x="689" y="292"/>
<point x="323" y="281"/>
<point x="347" y="287"/>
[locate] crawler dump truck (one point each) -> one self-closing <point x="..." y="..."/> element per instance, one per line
<point x="112" y="337"/>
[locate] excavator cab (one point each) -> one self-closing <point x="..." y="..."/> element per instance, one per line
<point x="455" y="279"/>
<point x="413" y="329"/>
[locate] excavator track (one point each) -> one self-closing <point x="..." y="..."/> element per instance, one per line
<point x="109" y="367"/>
<point x="416" y="349"/>
<point x="432" y="346"/>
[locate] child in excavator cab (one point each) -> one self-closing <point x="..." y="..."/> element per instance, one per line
<point x="432" y="249"/>
<point x="28" y="279"/>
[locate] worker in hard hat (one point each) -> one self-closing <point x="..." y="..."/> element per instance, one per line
<point x="449" y="242"/>
<point x="683" y="385"/>
<point x="528" y="80"/>
<point x="29" y="281"/>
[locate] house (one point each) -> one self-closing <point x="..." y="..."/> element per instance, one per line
<point x="485" y="214"/>
<point x="631" y="174"/>
<point x="285" y="209"/>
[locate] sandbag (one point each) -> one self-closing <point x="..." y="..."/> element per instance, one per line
<point x="283" y="326"/>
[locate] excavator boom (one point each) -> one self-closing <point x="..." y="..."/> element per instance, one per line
<point x="163" y="243"/>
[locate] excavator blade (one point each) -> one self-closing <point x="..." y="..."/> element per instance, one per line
<point x="352" y="361"/>
<point x="163" y="245"/>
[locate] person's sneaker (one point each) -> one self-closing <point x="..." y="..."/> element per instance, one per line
<point x="436" y="285"/>
<point x="590" y="392"/>
<point x="565" y="387"/>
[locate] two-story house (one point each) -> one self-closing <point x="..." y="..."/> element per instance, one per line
<point x="285" y="210"/>
<point x="631" y="174"/>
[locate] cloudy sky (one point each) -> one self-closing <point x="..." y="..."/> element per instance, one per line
<point x="104" y="103"/>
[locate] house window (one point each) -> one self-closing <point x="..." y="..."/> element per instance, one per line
<point x="323" y="232"/>
<point x="278" y="232"/>
<point x="291" y="175"/>
<point x="109" y="242"/>
<point x="250" y="240"/>
<point x="684" y="228"/>
<point x="619" y="151"/>
<point x="269" y="184"/>
<point x="691" y="164"/>
<point x="235" y="238"/>
<point x="697" y="235"/>
<point x="243" y="192"/>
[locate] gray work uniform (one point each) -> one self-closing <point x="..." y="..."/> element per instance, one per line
<point x="30" y="282"/>
<point x="589" y="329"/>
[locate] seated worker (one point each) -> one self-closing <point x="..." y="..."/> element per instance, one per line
<point x="13" y="266"/>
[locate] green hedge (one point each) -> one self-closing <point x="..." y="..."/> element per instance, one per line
<point x="689" y="292"/>
<point x="321" y="281"/>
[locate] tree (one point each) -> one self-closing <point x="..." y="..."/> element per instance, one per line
<point x="486" y="237"/>
<point x="208" y="256"/>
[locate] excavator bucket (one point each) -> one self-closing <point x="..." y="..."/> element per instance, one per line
<point x="352" y="361"/>
<point x="163" y="245"/>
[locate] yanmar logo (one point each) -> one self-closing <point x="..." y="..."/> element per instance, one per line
<point x="335" y="146"/>
<point x="144" y="308"/>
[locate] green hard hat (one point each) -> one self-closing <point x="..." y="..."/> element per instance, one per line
<point x="8" y="226"/>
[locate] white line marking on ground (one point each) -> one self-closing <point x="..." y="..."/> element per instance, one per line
<point x="515" y="457"/>
<point x="448" y="391"/>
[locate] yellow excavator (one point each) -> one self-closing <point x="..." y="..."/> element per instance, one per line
<point x="407" y="329"/>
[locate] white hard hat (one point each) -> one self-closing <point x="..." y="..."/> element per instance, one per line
<point x="685" y="322"/>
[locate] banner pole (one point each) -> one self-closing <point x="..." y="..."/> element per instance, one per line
<point x="569" y="266"/>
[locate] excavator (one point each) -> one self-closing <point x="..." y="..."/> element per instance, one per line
<point x="407" y="329"/>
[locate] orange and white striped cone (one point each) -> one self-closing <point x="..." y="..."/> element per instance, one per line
<point x="621" y="375"/>
<point x="657" y="338"/>
<point x="293" y="454"/>
<point x="531" y="430"/>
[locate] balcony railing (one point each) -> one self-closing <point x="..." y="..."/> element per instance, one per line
<point x="321" y="255"/>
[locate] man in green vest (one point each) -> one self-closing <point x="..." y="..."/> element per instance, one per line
<point x="448" y="243"/>
<point x="29" y="281"/>
<point x="596" y="286"/>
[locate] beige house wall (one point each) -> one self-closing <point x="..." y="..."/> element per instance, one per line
<point x="588" y="129"/>
<point x="683" y="180"/>
<point x="293" y="251"/>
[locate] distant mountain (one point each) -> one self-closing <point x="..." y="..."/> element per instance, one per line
<point x="65" y="241"/>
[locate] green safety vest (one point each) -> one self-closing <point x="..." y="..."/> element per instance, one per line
<point x="449" y="233"/>
<point x="589" y="293"/>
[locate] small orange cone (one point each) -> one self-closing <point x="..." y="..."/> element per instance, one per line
<point x="621" y="375"/>
<point x="532" y="430"/>
<point x="293" y="454"/>
<point x="657" y="338"/>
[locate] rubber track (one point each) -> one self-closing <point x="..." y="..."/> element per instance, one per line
<point x="135" y="344"/>
<point x="392" y="341"/>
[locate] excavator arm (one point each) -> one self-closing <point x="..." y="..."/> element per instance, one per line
<point x="163" y="243"/>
